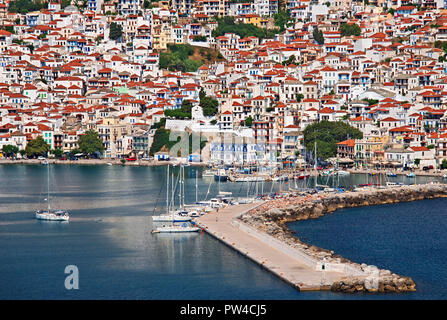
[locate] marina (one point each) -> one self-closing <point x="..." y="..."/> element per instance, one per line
<point x="109" y="235"/>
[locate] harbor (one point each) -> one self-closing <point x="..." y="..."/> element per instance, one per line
<point x="258" y="232"/>
<point x="292" y="267"/>
<point x="109" y="236"/>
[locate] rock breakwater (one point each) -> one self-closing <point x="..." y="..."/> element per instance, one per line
<point x="272" y="217"/>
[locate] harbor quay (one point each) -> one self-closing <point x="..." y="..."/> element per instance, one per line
<point x="259" y="231"/>
<point x="291" y="265"/>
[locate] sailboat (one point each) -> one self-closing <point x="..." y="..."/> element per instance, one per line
<point x="48" y="214"/>
<point x="170" y="216"/>
<point x="176" y="229"/>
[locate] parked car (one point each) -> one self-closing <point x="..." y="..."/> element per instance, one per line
<point x="41" y="158"/>
<point x="131" y="159"/>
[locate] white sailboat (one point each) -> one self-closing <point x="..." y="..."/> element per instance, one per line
<point x="170" y="216"/>
<point x="48" y="214"/>
<point x="176" y="229"/>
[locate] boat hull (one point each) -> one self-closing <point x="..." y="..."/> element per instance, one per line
<point x="176" y="229"/>
<point x="220" y="177"/>
<point x="170" y="218"/>
<point x="51" y="216"/>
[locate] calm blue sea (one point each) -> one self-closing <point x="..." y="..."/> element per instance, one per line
<point x="109" y="239"/>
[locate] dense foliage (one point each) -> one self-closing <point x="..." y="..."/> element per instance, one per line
<point x="347" y="29"/>
<point x="227" y="25"/>
<point x="116" y="31"/>
<point x="161" y="141"/>
<point x="282" y="20"/>
<point x="161" y="138"/>
<point x="327" y="135"/>
<point x="25" y="6"/>
<point x="200" y="38"/>
<point x="159" y="124"/>
<point x="10" y="150"/>
<point x="371" y="101"/>
<point x="249" y="121"/>
<point x="58" y="153"/>
<point x="183" y="113"/>
<point x="37" y="147"/>
<point x="209" y="105"/>
<point x="177" y="58"/>
<point x="318" y="36"/>
<point x="89" y="142"/>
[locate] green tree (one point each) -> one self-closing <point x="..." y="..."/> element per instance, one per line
<point x="65" y="3"/>
<point x="161" y="139"/>
<point x="327" y="134"/>
<point x="116" y="31"/>
<point x="25" y="6"/>
<point x="318" y="36"/>
<point x="10" y="150"/>
<point x="249" y="121"/>
<point x="200" y="38"/>
<point x="290" y="60"/>
<point x="159" y="124"/>
<point x="37" y="147"/>
<point x="417" y="162"/>
<point x="227" y="25"/>
<point x="75" y="151"/>
<point x="370" y="101"/>
<point x="58" y="153"/>
<point x="347" y="29"/>
<point x="177" y="58"/>
<point x="90" y="142"/>
<point x="209" y="105"/>
<point x="299" y="97"/>
<point x="9" y="29"/>
<point x="444" y="164"/>
<point x="282" y="19"/>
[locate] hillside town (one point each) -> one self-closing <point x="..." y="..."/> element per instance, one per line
<point x="249" y="76"/>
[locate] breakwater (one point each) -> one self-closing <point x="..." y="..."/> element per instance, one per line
<point x="271" y="218"/>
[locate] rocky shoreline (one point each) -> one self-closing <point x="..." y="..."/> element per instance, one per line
<point x="272" y="217"/>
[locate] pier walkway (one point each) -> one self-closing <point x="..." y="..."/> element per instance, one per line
<point x="284" y="263"/>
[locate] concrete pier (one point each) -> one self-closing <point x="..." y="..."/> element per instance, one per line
<point x="290" y="264"/>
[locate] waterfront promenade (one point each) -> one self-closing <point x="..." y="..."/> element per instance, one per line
<point x="289" y="264"/>
<point x="147" y="163"/>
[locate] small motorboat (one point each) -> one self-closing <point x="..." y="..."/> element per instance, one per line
<point x="391" y="174"/>
<point x="410" y="175"/>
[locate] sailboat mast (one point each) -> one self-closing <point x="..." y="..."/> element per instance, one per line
<point x="197" y="184"/>
<point x="167" y="190"/>
<point x="315" y="164"/>
<point x="183" y="187"/>
<point x="48" y="186"/>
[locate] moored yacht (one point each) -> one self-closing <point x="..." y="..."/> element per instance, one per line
<point x="176" y="229"/>
<point x="55" y="215"/>
<point x="48" y="214"/>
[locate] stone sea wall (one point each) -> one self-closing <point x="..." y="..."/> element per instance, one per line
<point x="272" y="217"/>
